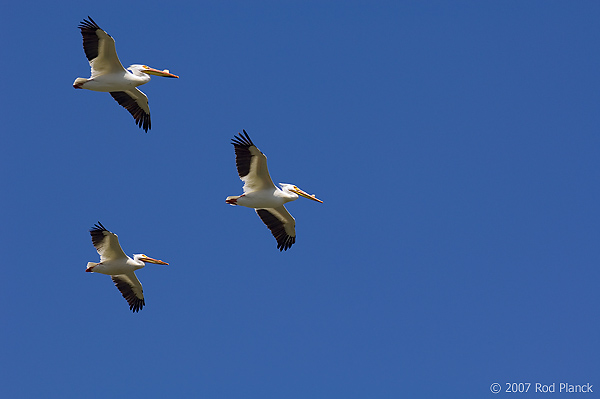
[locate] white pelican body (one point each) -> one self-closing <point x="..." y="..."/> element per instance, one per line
<point x="117" y="81"/>
<point x="119" y="266"/>
<point x="267" y="198"/>
<point x="108" y="74"/>
<point x="261" y="194"/>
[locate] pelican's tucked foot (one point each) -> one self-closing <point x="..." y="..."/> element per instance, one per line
<point x="90" y="269"/>
<point x="79" y="82"/>
<point x="232" y="200"/>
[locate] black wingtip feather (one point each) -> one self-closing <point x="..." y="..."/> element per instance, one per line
<point x="142" y="119"/>
<point x="243" y="156"/>
<point x="90" y="38"/>
<point x="97" y="233"/>
<point x="241" y="141"/>
<point x="88" y="24"/>
<point x="135" y="304"/>
<point x="98" y="226"/>
<point x="284" y="241"/>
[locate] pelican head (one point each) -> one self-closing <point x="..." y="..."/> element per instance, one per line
<point x="290" y="188"/>
<point x="136" y="69"/>
<point x="148" y="259"/>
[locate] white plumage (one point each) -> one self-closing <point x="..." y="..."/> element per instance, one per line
<point x="108" y="74"/>
<point x="261" y="194"/>
<point x="115" y="263"/>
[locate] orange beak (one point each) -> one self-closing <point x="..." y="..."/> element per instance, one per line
<point x="165" y="73"/>
<point x="152" y="260"/>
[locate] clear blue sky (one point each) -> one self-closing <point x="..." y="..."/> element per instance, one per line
<point x="455" y="146"/>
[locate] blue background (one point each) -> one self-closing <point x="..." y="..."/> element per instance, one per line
<point x="455" y="147"/>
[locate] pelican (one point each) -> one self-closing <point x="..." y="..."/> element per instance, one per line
<point x="119" y="266"/>
<point x="108" y="74"/>
<point x="261" y="194"/>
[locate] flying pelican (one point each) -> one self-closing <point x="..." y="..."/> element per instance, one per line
<point x="109" y="75"/>
<point x="119" y="266"/>
<point x="261" y="194"/>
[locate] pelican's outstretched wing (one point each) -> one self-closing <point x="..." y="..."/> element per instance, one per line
<point x="106" y="243"/>
<point x="131" y="289"/>
<point x="136" y="103"/>
<point x="281" y="224"/>
<point x="251" y="164"/>
<point x="99" y="49"/>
